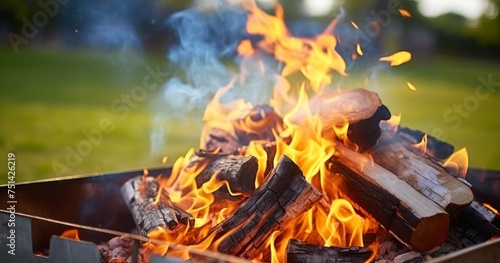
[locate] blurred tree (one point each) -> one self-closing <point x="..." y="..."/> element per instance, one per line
<point x="487" y="30"/>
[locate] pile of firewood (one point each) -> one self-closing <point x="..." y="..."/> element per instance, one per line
<point x="407" y="192"/>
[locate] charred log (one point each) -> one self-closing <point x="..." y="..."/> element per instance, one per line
<point x="472" y="228"/>
<point x="299" y="251"/>
<point x="238" y="171"/>
<point x="282" y="196"/>
<point x="218" y="140"/>
<point x="361" y="109"/>
<point x="151" y="209"/>
<point x="423" y="174"/>
<point x="410" y="216"/>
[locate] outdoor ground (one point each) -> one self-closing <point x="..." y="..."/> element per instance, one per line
<point x="49" y="100"/>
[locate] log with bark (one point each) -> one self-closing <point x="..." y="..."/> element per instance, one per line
<point x="423" y="174"/>
<point x="238" y="171"/>
<point x="298" y="251"/>
<point x="361" y="109"/>
<point x="151" y="209"/>
<point x="411" y="217"/>
<point x="282" y="196"/>
<point x="436" y="149"/>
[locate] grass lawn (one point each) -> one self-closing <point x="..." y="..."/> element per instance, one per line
<point x="49" y="100"/>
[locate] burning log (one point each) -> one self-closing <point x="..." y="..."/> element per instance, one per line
<point x="436" y="149"/>
<point x="257" y="125"/>
<point x="426" y="176"/>
<point x="283" y="195"/>
<point x="238" y="171"/>
<point x="410" y="216"/>
<point x="151" y="209"/>
<point x="221" y="141"/>
<point x="472" y="227"/>
<point x="299" y="251"/>
<point x="361" y="109"/>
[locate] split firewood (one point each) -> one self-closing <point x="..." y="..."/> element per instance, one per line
<point x="472" y="228"/>
<point x="151" y="209"/>
<point x="299" y="251"/>
<point x="361" y="109"/>
<point x="282" y="196"/>
<point x="238" y="171"/>
<point x="423" y="174"/>
<point x="411" y="217"/>
<point x="436" y="149"/>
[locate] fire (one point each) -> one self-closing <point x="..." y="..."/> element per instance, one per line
<point x="397" y="58"/>
<point x="331" y="221"/>
<point x="404" y="12"/>
<point x="71" y="234"/>
<point x="422" y="145"/>
<point x="410" y="86"/>
<point x="458" y="163"/>
<point x="491" y="208"/>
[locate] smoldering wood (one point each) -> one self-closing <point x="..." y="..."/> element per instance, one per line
<point x="221" y="141"/>
<point x="484" y="211"/>
<point x="298" y="251"/>
<point x="472" y="228"/>
<point x="485" y="186"/>
<point x="436" y="149"/>
<point x="239" y="172"/>
<point x="140" y="194"/>
<point x="423" y="174"/>
<point x="411" y="217"/>
<point x="282" y="196"/>
<point x="361" y="109"/>
<point x="259" y="124"/>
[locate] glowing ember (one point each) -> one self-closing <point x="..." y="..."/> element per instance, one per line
<point x="491" y="208"/>
<point x="397" y="58"/>
<point x="404" y="13"/>
<point x="358" y="49"/>
<point x="410" y="86"/>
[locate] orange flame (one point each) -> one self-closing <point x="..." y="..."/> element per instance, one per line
<point x="491" y="208"/>
<point x="330" y="222"/>
<point x="71" y="234"/>
<point x="394" y="122"/>
<point x="458" y="163"/>
<point x="422" y="145"/>
<point x="397" y="58"/>
<point x="404" y="12"/>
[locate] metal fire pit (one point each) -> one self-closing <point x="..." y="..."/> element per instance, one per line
<point x="93" y="204"/>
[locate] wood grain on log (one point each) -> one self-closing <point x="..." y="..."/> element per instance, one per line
<point x="423" y="174"/>
<point x="221" y="141"/>
<point x="299" y="251"/>
<point x="282" y="196"/>
<point x="361" y="109"/>
<point x="410" y="216"/>
<point x="140" y="194"/>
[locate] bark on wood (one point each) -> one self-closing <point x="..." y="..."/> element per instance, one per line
<point x="436" y="149"/>
<point x="410" y="216"/>
<point x="299" y="251"/>
<point x="426" y="176"/>
<point x="140" y="194"/>
<point x="472" y="228"/>
<point x="238" y="171"/>
<point x="282" y="196"/>
<point x="362" y="109"/>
